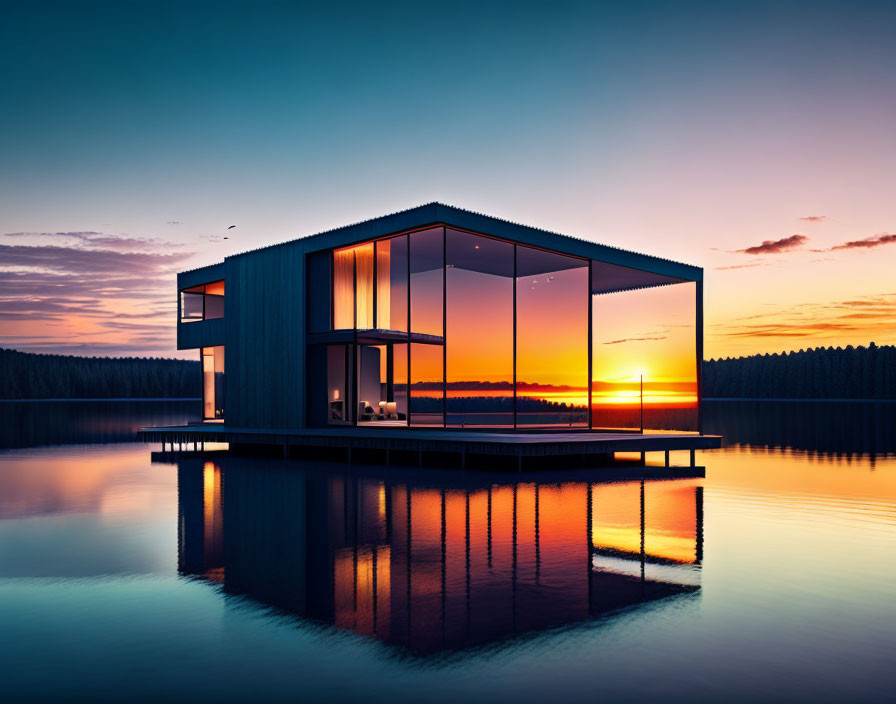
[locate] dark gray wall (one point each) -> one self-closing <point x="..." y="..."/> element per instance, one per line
<point x="265" y="312"/>
<point x="201" y="333"/>
<point x="320" y="302"/>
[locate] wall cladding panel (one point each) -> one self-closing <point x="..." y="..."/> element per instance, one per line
<point x="266" y="319"/>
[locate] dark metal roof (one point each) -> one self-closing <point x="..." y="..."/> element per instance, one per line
<point x="439" y="213"/>
<point x="200" y="275"/>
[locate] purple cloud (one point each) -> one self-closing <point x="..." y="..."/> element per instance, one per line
<point x="868" y="242"/>
<point x="785" y="244"/>
<point x="100" y="294"/>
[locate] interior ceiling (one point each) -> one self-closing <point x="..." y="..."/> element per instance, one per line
<point x="609" y="278"/>
<point x="605" y="278"/>
<point x="495" y="257"/>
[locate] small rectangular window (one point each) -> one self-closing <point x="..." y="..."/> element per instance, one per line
<point x="203" y="302"/>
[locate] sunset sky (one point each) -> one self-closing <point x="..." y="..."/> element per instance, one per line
<point x="756" y="140"/>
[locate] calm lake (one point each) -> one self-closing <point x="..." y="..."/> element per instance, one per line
<point x="237" y="579"/>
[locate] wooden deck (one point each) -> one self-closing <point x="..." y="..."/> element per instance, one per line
<point x="516" y="446"/>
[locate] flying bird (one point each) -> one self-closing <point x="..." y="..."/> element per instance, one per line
<point x="231" y="227"/>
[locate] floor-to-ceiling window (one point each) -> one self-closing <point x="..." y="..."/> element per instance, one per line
<point x="427" y="385"/>
<point x="644" y="368"/>
<point x="382" y="384"/>
<point x="552" y="293"/>
<point x="465" y="330"/>
<point x="212" y="382"/>
<point x="338" y="410"/>
<point x="353" y="287"/>
<point x="427" y="280"/>
<point x="427" y="253"/>
<point x="479" y="330"/>
<point x="392" y="284"/>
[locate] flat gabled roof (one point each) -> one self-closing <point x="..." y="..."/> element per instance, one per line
<point x="440" y="214"/>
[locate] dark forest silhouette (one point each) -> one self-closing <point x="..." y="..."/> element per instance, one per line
<point x="824" y="372"/>
<point x="27" y="375"/>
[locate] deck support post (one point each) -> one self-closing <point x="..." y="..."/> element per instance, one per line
<point x="519" y="463"/>
<point x="463" y="459"/>
<point x="699" y="353"/>
<point x="667" y="459"/>
<point x="643" y="457"/>
<point x="693" y="458"/>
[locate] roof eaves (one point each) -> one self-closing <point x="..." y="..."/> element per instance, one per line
<point x="435" y="211"/>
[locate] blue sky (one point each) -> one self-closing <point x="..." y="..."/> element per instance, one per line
<point x="688" y="130"/>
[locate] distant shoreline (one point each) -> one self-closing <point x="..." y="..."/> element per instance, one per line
<point x="807" y="400"/>
<point x="85" y="400"/>
<point x="732" y="399"/>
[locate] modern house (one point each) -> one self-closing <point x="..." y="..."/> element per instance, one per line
<point x="436" y="318"/>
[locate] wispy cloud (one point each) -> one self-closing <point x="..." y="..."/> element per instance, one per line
<point x="740" y="266"/>
<point x="88" y="293"/>
<point x="814" y="218"/>
<point x="785" y="244"/>
<point x="869" y="242"/>
<point x="866" y="316"/>
<point x="634" y="339"/>
<point x="99" y="240"/>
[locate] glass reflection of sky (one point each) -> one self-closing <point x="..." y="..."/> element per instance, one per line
<point x="514" y="321"/>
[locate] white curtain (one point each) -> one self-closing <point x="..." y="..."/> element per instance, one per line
<point x="343" y="289"/>
<point x="384" y="285"/>
<point x="364" y="300"/>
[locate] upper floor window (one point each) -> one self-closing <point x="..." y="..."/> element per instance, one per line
<point x="203" y="302"/>
<point x="370" y="285"/>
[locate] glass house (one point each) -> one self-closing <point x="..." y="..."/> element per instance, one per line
<point x="438" y="317"/>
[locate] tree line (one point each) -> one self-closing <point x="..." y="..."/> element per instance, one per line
<point x="822" y="372"/>
<point x="25" y="375"/>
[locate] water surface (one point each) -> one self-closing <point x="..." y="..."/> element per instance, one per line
<point x="235" y="579"/>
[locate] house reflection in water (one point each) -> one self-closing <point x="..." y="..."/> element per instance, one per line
<point x="434" y="562"/>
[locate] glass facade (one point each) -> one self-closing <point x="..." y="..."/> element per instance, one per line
<point x="344" y="289"/>
<point x="459" y="329"/>
<point x="392" y="284"/>
<point x="479" y="332"/>
<point x="552" y="293"/>
<point x="427" y="256"/>
<point x="427" y="385"/>
<point x="212" y="359"/>
<point x="399" y="363"/>
<point x="338" y="384"/>
<point x="644" y="359"/>
<point x="364" y="286"/>
<point x="370" y="286"/>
